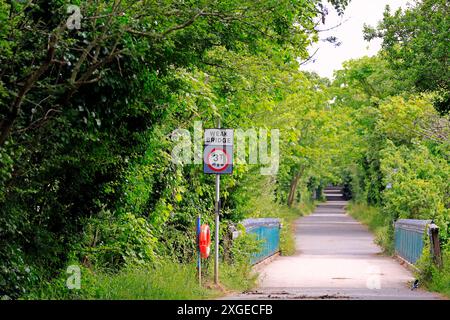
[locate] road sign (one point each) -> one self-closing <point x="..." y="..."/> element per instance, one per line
<point x="218" y="159"/>
<point x="223" y="137"/>
<point x="218" y="151"/>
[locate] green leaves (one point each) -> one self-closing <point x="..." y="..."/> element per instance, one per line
<point x="419" y="184"/>
<point x="85" y="168"/>
<point x="402" y="120"/>
<point x="401" y="162"/>
<point x="416" y="44"/>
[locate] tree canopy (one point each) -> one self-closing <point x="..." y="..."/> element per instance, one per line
<point x="88" y="110"/>
<point x="415" y="41"/>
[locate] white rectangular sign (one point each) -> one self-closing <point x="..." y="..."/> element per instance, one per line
<point x="222" y="137"/>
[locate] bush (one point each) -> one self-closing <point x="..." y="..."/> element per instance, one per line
<point x="244" y="247"/>
<point x="418" y="183"/>
<point x="111" y="241"/>
<point x="434" y="278"/>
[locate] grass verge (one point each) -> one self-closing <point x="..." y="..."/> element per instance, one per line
<point x="440" y="280"/>
<point x="165" y="280"/>
<point x="377" y="223"/>
<point x="170" y="280"/>
<point x="434" y="279"/>
<point x="288" y="217"/>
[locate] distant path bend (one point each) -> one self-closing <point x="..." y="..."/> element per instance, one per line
<point x="336" y="258"/>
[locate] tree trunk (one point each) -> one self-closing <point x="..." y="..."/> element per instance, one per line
<point x="293" y="188"/>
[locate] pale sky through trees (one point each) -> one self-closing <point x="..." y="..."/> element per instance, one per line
<point x="329" y="58"/>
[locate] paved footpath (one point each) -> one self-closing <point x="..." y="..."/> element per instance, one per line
<point x="336" y="258"/>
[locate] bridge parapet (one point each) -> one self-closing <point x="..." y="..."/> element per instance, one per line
<point x="410" y="236"/>
<point x="268" y="231"/>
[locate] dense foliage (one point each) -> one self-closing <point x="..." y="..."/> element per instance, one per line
<point x="416" y="44"/>
<point x="87" y="120"/>
<point x="403" y="148"/>
<point x="400" y="99"/>
<point x="402" y="158"/>
<point x="87" y="115"/>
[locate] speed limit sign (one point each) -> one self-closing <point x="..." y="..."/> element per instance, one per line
<point x="218" y="159"/>
<point x="218" y="151"/>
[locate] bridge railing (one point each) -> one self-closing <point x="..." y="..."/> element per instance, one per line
<point x="268" y="231"/>
<point x="410" y="236"/>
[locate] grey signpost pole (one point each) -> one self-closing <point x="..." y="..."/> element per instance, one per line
<point x="217" y="212"/>
<point x="217" y="209"/>
<point x="218" y="160"/>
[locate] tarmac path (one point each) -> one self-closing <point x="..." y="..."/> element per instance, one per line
<point x="336" y="258"/>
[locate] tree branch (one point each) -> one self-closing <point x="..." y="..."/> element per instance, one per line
<point x="7" y="123"/>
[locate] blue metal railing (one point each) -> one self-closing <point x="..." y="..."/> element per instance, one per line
<point x="268" y="231"/>
<point x="409" y="238"/>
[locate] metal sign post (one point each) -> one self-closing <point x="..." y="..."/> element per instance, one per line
<point x="216" y="240"/>
<point x="217" y="160"/>
<point x="199" y="262"/>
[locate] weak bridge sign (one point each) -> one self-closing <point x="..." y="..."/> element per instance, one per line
<point x="218" y="151"/>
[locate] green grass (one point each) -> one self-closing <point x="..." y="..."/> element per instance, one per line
<point x="288" y="217"/>
<point x="377" y="223"/>
<point x="434" y="279"/>
<point x="237" y="278"/>
<point x="166" y="280"/>
<point x="440" y="281"/>
<point x="169" y="281"/>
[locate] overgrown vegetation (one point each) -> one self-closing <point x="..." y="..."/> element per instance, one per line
<point x="436" y="279"/>
<point x="166" y="280"/>
<point x="88" y="119"/>
<point x="400" y="102"/>
<point x="377" y="222"/>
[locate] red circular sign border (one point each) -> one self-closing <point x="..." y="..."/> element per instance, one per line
<point x="227" y="164"/>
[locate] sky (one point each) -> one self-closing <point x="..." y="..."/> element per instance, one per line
<point x="329" y="58"/>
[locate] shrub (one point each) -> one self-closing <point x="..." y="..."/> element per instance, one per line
<point x="111" y="241"/>
<point x="418" y="183"/>
<point x="434" y="278"/>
